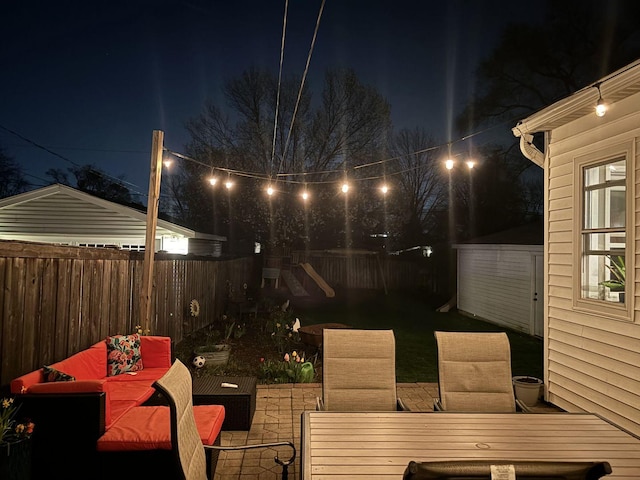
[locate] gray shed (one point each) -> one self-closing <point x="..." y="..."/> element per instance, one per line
<point x="500" y="278"/>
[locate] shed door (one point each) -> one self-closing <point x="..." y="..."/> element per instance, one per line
<point x="538" y="297"/>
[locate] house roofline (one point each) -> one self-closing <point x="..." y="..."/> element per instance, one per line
<point x="613" y="87"/>
<point x="107" y="204"/>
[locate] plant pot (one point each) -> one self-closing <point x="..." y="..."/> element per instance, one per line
<point x="214" y="355"/>
<point x="527" y="389"/>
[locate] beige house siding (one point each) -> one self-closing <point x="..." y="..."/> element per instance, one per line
<point x="592" y="357"/>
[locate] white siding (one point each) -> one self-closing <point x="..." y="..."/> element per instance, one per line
<point x="592" y="357"/>
<point x="495" y="283"/>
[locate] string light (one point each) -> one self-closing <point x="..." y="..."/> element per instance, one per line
<point x="228" y="184"/>
<point x="345" y="187"/>
<point x="449" y="164"/>
<point x="213" y="181"/>
<point x="470" y="164"/>
<point x="601" y="107"/>
<point x="384" y="189"/>
<point x="167" y="162"/>
<point x="270" y="190"/>
<point x="305" y="195"/>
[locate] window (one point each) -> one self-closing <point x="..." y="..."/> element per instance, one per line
<point x="603" y="231"/>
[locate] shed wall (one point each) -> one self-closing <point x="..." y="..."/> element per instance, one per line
<point x="495" y="282"/>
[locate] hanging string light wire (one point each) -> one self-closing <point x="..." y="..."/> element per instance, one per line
<point x="275" y="119"/>
<point x="304" y="76"/>
<point x="338" y="173"/>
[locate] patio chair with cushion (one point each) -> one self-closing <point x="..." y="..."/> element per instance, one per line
<point x="481" y="469"/>
<point x="187" y="448"/>
<point x="474" y="373"/>
<point x="359" y="371"/>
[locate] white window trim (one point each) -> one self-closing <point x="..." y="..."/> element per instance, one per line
<point x="592" y="306"/>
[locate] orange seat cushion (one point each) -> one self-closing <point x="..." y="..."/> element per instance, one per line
<point x="149" y="428"/>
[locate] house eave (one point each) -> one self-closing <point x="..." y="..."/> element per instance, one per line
<point x="613" y="87"/>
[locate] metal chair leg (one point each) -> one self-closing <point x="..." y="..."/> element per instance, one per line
<point x="283" y="463"/>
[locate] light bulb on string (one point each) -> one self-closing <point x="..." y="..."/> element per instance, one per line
<point x="213" y="181"/>
<point x="449" y="164"/>
<point x="167" y="162"/>
<point x="601" y="106"/>
<point x="345" y="187"/>
<point x="270" y="190"/>
<point x="470" y="164"/>
<point x="228" y="184"/>
<point x="384" y="189"/>
<point x="305" y="195"/>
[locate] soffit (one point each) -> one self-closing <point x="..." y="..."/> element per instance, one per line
<point x="614" y="87"/>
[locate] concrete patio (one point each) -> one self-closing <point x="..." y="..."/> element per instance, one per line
<point x="277" y="418"/>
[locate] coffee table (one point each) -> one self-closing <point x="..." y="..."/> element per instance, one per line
<point x="239" y="403"/>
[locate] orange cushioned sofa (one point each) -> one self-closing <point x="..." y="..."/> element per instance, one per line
<point x="71" y="415"/>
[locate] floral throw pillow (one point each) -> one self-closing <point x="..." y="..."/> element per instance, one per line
<point x="53" y="375"/>
<point x="123" y="354"/>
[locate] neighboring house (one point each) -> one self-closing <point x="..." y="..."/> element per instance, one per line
<point x="592" y="224"/>
<point x="63" y="215"/>
<point x="500" y="278"/>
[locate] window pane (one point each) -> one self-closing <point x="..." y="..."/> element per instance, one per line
<point x="603" y="252"/>
<point x="604" y="195"/>
<point x="605" y="277"/>
<point x="605" y="243"/>
<point x="606" y="172"/>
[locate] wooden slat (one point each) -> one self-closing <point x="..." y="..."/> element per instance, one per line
<point x="380" y="445"/>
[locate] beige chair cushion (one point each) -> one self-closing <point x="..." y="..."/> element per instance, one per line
<point x="474" y="372"/>
<point x="359" y="370"/>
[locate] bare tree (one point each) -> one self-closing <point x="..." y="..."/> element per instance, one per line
<point x="417" y="169"/>
<point x="315" y="144"/>
<point x="90" y="179"/>
<point x="535" y="65"/>
<point x="12" y="179"/>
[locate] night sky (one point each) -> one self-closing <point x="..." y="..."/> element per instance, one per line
<point x="91" y="80"/>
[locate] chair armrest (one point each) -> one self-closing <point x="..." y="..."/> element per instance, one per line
<point x="319" y="405"/>
<point x="401" y="407"/>
<point x="283" y="463"/>
<point x="437" y="406"/>
<point x="522" y="407"/>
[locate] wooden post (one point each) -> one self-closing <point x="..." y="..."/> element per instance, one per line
<point x="152" y="221"/>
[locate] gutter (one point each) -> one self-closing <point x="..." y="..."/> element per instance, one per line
<point x="614" y="87"/>
<point x="528" y="149"/>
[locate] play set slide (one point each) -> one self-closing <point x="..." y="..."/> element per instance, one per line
<point x="328" y="291"/>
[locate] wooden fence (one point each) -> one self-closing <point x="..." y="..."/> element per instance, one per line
<point x="56" y="301"/>
<point x="368" y="271"/>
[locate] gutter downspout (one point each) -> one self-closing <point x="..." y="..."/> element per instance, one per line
<point x="527" y="147"/>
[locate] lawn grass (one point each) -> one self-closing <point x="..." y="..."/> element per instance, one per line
<point x="414" y="319"/>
